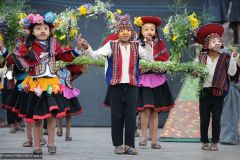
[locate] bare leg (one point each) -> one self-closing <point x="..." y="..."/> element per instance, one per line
<point x="150" y="125"/>
<point x="68" y="125"/>
<point x="59" y="127"/>
<point x="144" y="123"/>
<point x="51" y="124"/>
<point x="154" y="125"/>
<point x="37" y="133"/>
<point x="29" y="128"/>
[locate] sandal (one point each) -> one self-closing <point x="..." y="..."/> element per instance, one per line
<point x="37" y="151"/>
<point x="12" y="130"/>
<point x="205" y="146"/>
<point x="143" y="143"/>
<point x="59" y="133"/>
<point x="119" y="150"/>
<point x="137" y="134"/>
<point x="20" y="129"/>
<point x="213" y="147"/>
<point x="28" y="144"/>
<point x="68" y="138"/>
<point x="131" y="150"/>
<point x="42" y="141"/>
<point x="155" y="146"/>
<point x="45" y="132"/>
<point x="52" y="149"/>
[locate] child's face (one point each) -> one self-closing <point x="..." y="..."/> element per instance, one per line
<point x="125" y="34"/>
<point x="215" y="44"/>
<point x="41" y="32"/>
<point x="148" y="29"/>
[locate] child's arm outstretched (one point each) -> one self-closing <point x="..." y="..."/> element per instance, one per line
<point x="104" y="51"/>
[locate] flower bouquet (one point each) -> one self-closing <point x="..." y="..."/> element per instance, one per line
<point x="179" y="31"/>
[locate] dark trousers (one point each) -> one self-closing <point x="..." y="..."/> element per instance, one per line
<point x="123" y="101"/>
<point x="210" y="105"/>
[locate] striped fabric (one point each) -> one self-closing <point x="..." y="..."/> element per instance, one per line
<point x="114" y="70"/>
<point x="220" y="82"/>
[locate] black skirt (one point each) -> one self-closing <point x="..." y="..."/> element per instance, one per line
<point x="75" y="107"/>
<point x="159" y="98"/>
<point x="11" y="98"/>
<point x="33" y="107"/>
<point x="5" y="94"/>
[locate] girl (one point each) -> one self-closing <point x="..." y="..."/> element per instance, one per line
<point x="154" y="95"/>
<point x="44" y="93"/>
<point x="66" y="76"/>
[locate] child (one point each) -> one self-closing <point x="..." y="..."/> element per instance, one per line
<point x="154" y="94"/>
<point x="215" y="86"/>
<point x="122" y="73"/>
<point x="66" y="76"/>
<point x="10" y="93"/>
<point x="44" y="95"/>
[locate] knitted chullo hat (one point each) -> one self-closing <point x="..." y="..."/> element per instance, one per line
<point x="124" y="22"/>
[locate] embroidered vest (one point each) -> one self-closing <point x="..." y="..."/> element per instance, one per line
<point x="220" y="82"/>
<point x="47" y="59"/>
<point x="114" y="70"/>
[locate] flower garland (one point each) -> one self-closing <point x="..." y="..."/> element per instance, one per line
<point x="170" y="67"/>
<point x="66" y="27"/>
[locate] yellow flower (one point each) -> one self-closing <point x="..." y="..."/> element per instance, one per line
<point x="22" y="15"/>
<point x="1" y="38"/>
<point x="166" y="30"/>
<point x="57" y="22"/>
<point x="193" y="14"/>
<point x="119" y="11"/>
<point x="174" y="38"/>
<point x="193" y="20"/>
<point x="83" y="10"/>
<point x="111" y="16"/>
<point x="73" y="32"/>
<point x="138" y="21"/>
<point x="62" y="37"/>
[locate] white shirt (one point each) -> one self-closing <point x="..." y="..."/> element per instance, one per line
<point x="106" y="51"/>
<point x="211" y="66"/>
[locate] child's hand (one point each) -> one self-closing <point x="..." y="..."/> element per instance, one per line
<point x="148" y="40"/>
<point x="195" y="74"/>
<point x="82" y="43"/>
<point x="235" y="55"/>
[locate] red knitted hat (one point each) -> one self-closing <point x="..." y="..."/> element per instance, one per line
<point x="152" y="19"/>
<point x="204" y="31"/>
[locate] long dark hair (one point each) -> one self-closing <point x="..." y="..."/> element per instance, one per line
<point x="141" y="37"/>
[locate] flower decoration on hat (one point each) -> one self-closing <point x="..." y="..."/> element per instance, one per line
<point x="138" y="21"/>
<point x="49" y="18"/>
